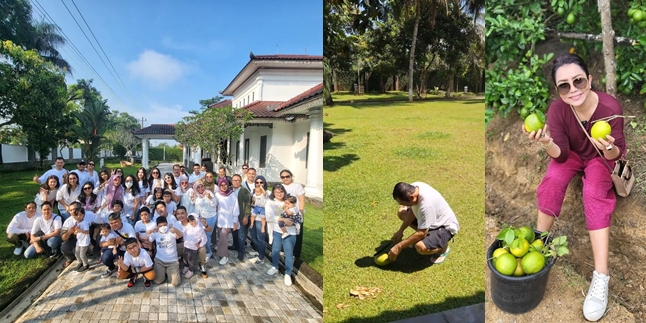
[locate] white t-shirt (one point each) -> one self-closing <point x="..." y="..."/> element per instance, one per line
<point x="84" y="176"/>
<point x="228" y="210"/>
<point x="432" y="211"/>
<point x="128" y="200"/>
<point x="142" y="189"/>
<point x="21" y="224"/>
<point x="295" y="189"/>
<point x="194" y="178"/>
<point x="53" y="171"/>
<point x="260" y="200"/>
<point x="47" y="226"/>
<point x="68" y="197"/>
<point x="166" y="245"/>
<point x="127" y="231"/>
<point x="194" y="234"/>
<point x="170" y="219"/>
<point x="142" y="260"/>
<point x="141" y="228"/>
<point x="110" y="236"/>
<point x="83" y="239"/>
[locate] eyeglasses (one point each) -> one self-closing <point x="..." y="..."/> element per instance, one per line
<point x="283" y="177"/>
<point x="90" y="164"/>
<point x="260" y="182"/>
<point x="579" y="82"/>
<point x="87" y="188"/>
<point x="155" y="172"/>
<point x="245" y="167"/>
<point x="183" y="182"/>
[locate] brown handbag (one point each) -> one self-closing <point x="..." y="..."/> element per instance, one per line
<point x="622" y="176"/>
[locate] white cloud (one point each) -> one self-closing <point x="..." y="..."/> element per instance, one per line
<point x="157" y="70"/>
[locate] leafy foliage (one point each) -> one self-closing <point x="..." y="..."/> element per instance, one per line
<point x="90" y="127"/>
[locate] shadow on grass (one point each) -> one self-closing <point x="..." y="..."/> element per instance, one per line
<point x="333" y="145"/>
<point x="425" y="309"/>
<point x="336" y="131"/>
<point x="334" y="163"/>
<point x="408" y="261"/>
<point x="385" y="103"/>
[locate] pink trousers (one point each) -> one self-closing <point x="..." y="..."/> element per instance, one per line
<point x="598" y="195"/>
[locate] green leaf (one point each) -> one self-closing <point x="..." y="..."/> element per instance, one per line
<point x="563" y="251"/>
<point x="509" y="236"/>
<point x="502" y="234"/>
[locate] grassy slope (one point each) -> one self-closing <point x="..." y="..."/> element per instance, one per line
<point x="312" y="252"/>
<point x="377" y="145"/>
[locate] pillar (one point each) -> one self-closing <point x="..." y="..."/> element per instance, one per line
<point x="314" y="182"/>
<point x="144" y="158"/>
<point x="241" y="150"/>
<point x="184" y="155"/>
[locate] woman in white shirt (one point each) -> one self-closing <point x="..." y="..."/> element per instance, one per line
<point x="206" y="207"/>
<point x="67" y="194"/>
<point x="184" y="191"/>
<point x="131" y="199"/>
<point x="48" y="191"/>
<point x="155" y="179"/>
<point x="295" y="189"/>
<point x="273" y="208"/>
<point x="99" y="187"/>
<point x="144" y="185"/>
<point x="228" y="211"/>
<point x="19" y="229"/>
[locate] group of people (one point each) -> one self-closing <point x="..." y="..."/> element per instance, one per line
<point x="156" y="226"/>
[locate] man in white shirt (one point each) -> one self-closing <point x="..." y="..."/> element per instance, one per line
<point x="45" y="233"/>
<point x="250" y="183"/>
<point x="123" y="230"/>
<point x="197" y="175"/>
<point x="59" y="171"/>
<point x="19" y="229"/>
<point x="84" y="176"/>
<point x="424" y="210"/>
<point x="166" y="260"/>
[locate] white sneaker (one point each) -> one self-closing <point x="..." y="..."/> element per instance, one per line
<point x="224" y="261"/>
<point x="208" y="257"/>
<point x="597" y="299"/>
<point x="17" y="251"/>
<point x="272" y="271"/>
<point x="253" y="260"/>
<point x="288" y="280"/>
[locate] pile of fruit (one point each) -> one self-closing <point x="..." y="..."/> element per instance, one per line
<point x="522" y="253"/>
<point x="637" y="15"/>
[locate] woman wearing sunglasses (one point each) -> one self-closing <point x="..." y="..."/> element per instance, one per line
<point x="295" y="189"/>
<point x="571" y="152"/>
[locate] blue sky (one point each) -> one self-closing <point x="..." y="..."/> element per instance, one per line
<point x="171" y="54"/>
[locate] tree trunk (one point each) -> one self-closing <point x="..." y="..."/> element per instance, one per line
<point x="449" y="88"/>
<point x="335" y="81"/>
<point x="396" y="82"/>
<point x="411" y="63"/>
<point x="608" y="46"/>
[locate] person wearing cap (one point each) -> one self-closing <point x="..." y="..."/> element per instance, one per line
<point x="84" y="176"/>
<point x="59" y="171"/>
<point x="166" y="259"/>
<point x="123" y="230"/>
<point x="135" y="262"/>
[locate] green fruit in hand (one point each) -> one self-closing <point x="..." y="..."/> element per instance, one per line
<point x="506" y="264"/>
<point x="560" y="11"/>
<point x="600" y="130"/>
<point x="524" y="112"/>
<point x="527" y="233"/>
<point x="535" y="121"/>
<point x="532" y="262"/>
<point x="382" y="260"/>
<point x="638" y="15"/>
<point x="571" y="19"/>
<point x="631" y="11"/>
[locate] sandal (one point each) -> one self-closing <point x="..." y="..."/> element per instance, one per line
<point x="440" y="259"/>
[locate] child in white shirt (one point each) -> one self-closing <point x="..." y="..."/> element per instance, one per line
<point x="290" y="211"/>
<point x="135" y="262"/>
<point x="82" y="231"/>
<point x="258" y="201"/>
<point x="108" y="240"/>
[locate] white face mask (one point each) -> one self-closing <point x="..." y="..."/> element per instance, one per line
<point x="163" y="229"/>
<point x="128" y="184"/>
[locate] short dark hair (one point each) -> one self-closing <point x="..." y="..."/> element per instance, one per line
<point x="167" y="192"/>
<point x="45" y="203"/>
<point x="403" y="191"/>
<point x="105" y="226"/>
<point x="60" y="158"/>
<point x="181" y="207"/>
<point x="566" y="59"/>
<point x="161" y="219"/>
<point x="115" y="202"/>
<point x="251" y="168"/>
<point x="114" y="216"/>
<point x="196" y="164"/>
<point x="291" y="199"/>
<point x="129" y="241"/>
<point x="144" y="209"/>
<point x="160" y="202"/>
<point x="78" y="206"/>
<point x="30" y="202"/>
<point x="236" y="175"/>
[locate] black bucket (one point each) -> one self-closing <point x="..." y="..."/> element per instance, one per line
<point x="517" y="295"/>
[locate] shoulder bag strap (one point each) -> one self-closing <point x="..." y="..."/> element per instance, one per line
<point x="586" y="133"/>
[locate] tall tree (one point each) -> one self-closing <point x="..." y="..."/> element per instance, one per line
<point x="90" y="127"/>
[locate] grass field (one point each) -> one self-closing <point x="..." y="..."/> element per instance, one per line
<point x="376" y="146"/>
<point x="16" y="272"/>
<point x="312" y="252"/>
<point x="348" y="97"/>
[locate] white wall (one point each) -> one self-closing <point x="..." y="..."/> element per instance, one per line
<point x="14" y="153"/>
<point x="277" y="85"/>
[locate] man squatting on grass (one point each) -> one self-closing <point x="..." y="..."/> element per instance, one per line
<point x="425" y="210"/>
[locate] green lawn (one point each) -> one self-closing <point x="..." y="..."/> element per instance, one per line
<point x="16" y="272"/>
<point x="349" y="97"/>
<point x="312" y="252"/>
<point x="376" y="146"/>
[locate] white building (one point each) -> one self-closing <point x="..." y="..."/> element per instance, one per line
<point x="285" y="95"/>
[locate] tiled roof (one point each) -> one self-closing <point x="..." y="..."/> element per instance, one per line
<point x="225" y="103"/>
<point x="263" y="109"/>
<point x="317" y="90"/>
<point x="156" y="129"/>
<point x="290" y="57"/>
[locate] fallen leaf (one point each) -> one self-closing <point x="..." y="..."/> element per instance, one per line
<point x="506" y="137"/>
<point x="341" y="306"/>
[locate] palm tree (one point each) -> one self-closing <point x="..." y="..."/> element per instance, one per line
<point x="92" y="123"/>
<point x="45" y="39"/>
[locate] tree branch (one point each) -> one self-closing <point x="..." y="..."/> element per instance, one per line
<point x="7" y="123"/>
<point x="592" y="37"/>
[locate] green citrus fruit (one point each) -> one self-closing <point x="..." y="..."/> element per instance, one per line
<point x="524" y="112"/>
<point x="537" y="245"/>
<point x="600" y="130"/>
<point x="506" y="264"/>
<point x="535" y="121"/>
<point x="638" y="15"/>
<point x="571" y="19"/>
<point x="532" y="262"/>
<point x="519" y="249"/>
<point x="631" y="11"/>
<point x="519" y="269"/>
<point x="497" y="253"/>
<point x="382" y="260"/>
<point x="528" y="233"/>
<point x="642" y="24"/>
<point x="632" y="21"/>
<point x="560" y="11"/>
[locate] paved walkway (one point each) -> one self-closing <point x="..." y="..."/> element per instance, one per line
<point x="235" y="292"/>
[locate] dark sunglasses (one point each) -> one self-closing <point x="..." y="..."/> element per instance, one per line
<point x="155" y="172"/>
<point x="87" y="188"/>
<point x="90" y="164"/>
<point x="579" y="82"/>
<point x="260" y="182"/>
<point x="283" y="177"/>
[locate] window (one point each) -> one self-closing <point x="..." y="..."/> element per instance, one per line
<point x="263" y="151"/>
<point x="307" y="149"/>
<point x="237" y="151"/>
<point x="246" y="150"/>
